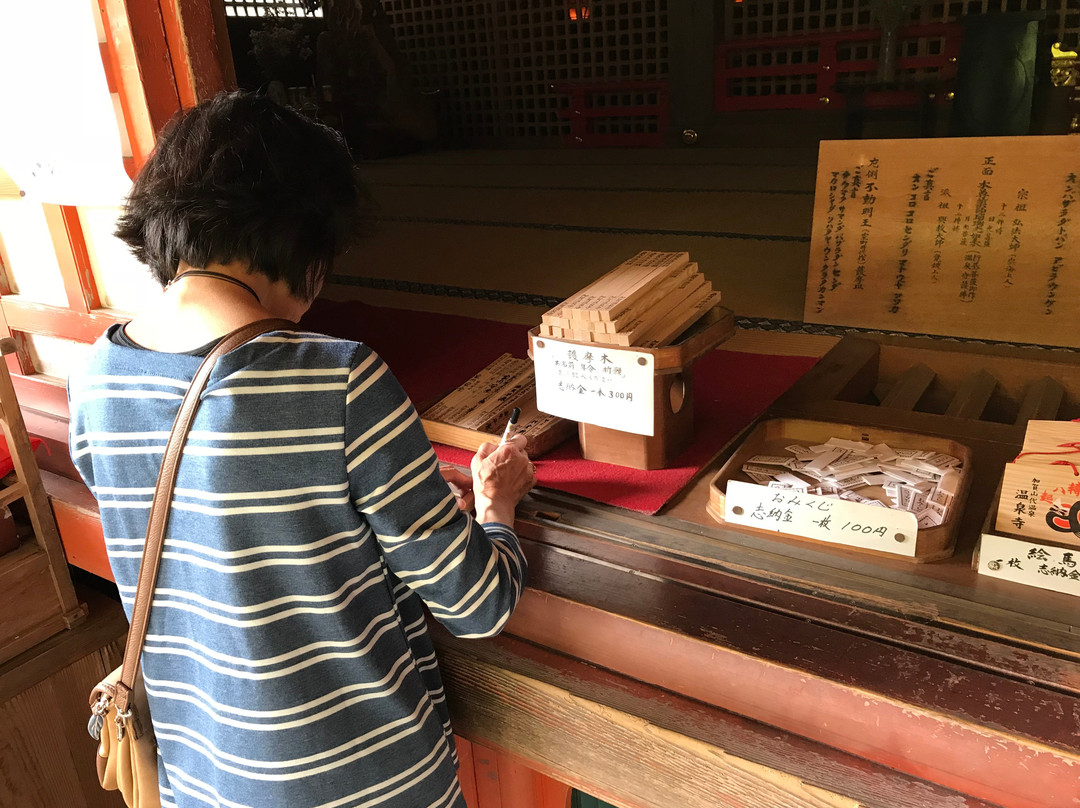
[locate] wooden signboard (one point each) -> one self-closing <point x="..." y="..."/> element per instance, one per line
<point x="969" y="237"/>
<point x="477" y="411"/>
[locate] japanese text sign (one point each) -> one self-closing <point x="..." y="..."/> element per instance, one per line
<point x="855" y="524"/>
<point x="1040" y="502"/>
<point x="595" y="384"/>
<point x="970" y="237"/>
<point x="1024" y="562"/>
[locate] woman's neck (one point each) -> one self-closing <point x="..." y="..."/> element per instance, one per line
<point x="197" y="309"/>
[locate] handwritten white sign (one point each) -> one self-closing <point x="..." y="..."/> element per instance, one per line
<point x="1031" y="564"/>
<point x="839" y="521"/>
<point x="599" y="385"/>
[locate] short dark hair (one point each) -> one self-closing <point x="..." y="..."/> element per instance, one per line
<point x="239" y="177"/>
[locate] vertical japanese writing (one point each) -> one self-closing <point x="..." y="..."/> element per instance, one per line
<point x="1025" y="503"/>
<point x="928" y="193"/>
<point x="868" y="200"/>
<point x="838" y="236"/>
<point x="1061" y="238"/>
<point x="1014" y="235"/>
<point x="830" y="223"/>
<point x="939" y="234"/>
<point x="977" y="235"/>
<point x="928" y="184"/>
<point x="905" y="244"/>
<point x="1067" y="198"/>
<point x="969" y="277"/>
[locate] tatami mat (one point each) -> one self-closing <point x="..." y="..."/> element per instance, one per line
<point x="538" y="225"/>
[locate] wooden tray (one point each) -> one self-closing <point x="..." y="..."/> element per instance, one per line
<point x="484" y="401"/>
<point x="771" y="436"/>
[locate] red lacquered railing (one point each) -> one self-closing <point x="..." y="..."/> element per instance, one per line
<point x="824" y="78"/>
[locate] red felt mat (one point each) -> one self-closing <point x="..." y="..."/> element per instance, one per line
<point x="433" y="353"/>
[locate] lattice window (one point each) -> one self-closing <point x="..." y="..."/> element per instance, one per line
<point x="260" y="8"/>
<point x="753" y="86"/>
<point x="496" y="69"/>
<point x="753" y="19"/>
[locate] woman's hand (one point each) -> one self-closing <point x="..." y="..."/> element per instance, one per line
<point x="461" y="484"/>
<point x="502" y="475"/>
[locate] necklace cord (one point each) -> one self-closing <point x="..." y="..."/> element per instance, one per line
<point x="209" y="273"/>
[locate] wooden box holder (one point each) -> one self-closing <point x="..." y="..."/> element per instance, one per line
<point x="37" y="599"/>
<point x="771" y="436"/>
<point x="977" y="395"/>
<point x="926" y="386"/>
<point x="673" y="398"/>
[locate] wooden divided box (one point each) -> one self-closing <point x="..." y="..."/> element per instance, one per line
<point x="976" y="396"/>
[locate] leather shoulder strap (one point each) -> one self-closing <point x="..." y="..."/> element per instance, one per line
<point x="162" y="502"/>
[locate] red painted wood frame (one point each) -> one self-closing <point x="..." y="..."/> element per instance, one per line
<point x="584" y="112"/>
<point x="828" y="70"/>
<point x="493" y="779"/>
<point x="158" y="57"/>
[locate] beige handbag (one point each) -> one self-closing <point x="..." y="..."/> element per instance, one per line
<point x="127" y="752"/>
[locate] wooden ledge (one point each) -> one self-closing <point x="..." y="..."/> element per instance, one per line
<point x="636" y="745"/>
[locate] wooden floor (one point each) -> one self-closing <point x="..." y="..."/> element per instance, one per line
<point x="547" y="222"/>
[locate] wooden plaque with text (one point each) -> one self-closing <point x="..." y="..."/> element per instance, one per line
<point x="968" y="237"/>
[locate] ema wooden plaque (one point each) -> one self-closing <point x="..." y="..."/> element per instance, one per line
<point x="968" y="237"/>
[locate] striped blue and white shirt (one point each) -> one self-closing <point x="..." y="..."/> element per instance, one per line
<point x="287" y="661"/>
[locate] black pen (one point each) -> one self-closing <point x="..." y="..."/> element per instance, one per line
<point x="510" y="425"/>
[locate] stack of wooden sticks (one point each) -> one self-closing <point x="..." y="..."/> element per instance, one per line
<point x="645" y="302"/>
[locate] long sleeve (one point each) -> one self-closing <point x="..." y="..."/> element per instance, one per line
<point x="469" y="575"/>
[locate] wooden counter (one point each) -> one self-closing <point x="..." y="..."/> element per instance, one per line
<point x="658" y="661"/>
<point x="905" y="672"/>
<point x="668" y="660"/>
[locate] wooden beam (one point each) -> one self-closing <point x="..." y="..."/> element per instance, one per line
<point x="199" y="50"/>
<point x="69" y="244"/>
<point x="873" y="701"/>
<point x="848" y="372"/>
<point x="42" y="393"/>
<point x="1042" y="401"/>
<point x="974" y="394"/>
<point x="79" y="523"/>
<point x="140" y="62"/>
<point x="635" y="745"/>
<point x="906" y="391"/>
<point x="55" y="321"/>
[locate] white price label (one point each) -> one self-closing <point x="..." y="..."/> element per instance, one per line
<point x="595" y="384"/>
<point x="1025" y="562"/>
<point x="813" y="517"/>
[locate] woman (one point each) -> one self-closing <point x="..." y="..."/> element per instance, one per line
<point x="287" y="661"/>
